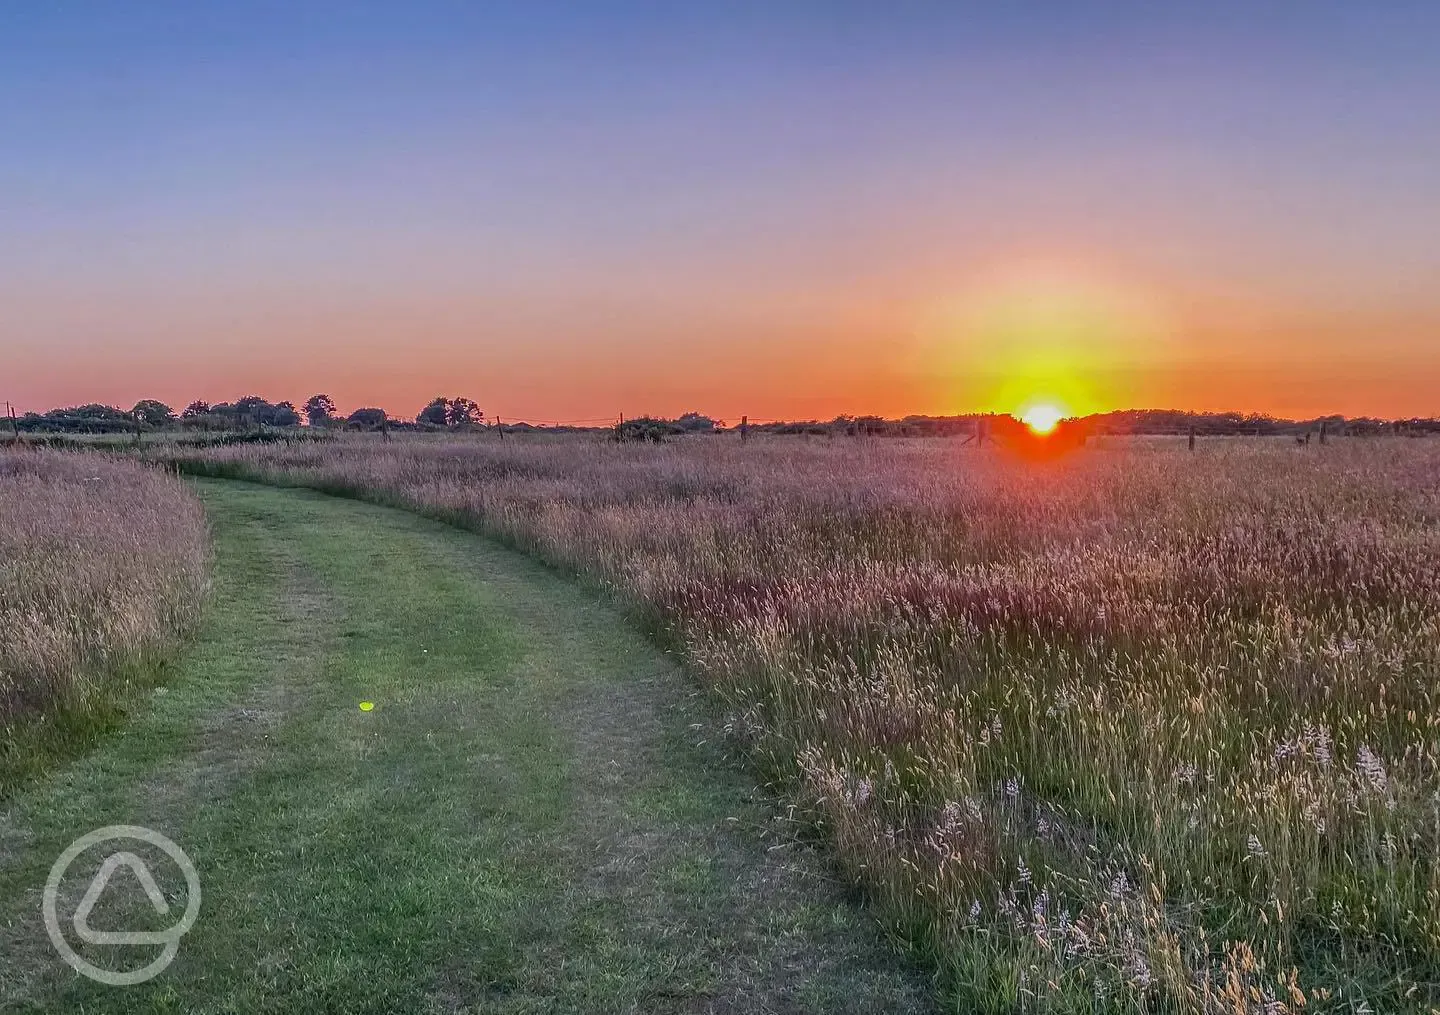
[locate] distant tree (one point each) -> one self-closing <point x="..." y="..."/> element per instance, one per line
<point x="463" y="412"/>
<point x="319" y="409"/>
<point x="437" y="413"/>
<point x="92" y="411"/>
<point x="369" y="417"/>
<point x="196" y="408"/>
<point x="93" y="418"/>
<point x="451" y="412"/>
<point x="285" y="414"/>
<point x="153" y="413"/>
<point x="694" y="422"/>
<point x="645" y="428"/>
<point x="254" y="409"/>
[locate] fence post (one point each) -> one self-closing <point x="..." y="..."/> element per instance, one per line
<point x="14" y="426"/>
<point x="1324" y="425"/>
<point x="501" y="424"/>
<point x="1192" y="438"/>
<point x="744" y="429"/>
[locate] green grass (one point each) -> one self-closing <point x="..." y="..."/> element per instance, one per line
<point x="35" y="745"/>
<point x="526" y="822"/>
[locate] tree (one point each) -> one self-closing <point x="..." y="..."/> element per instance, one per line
<point x="285" y="414"/>
<point x="645" y="428"/>
<point x="319" y="409"/>
<point x="196" y="408"/>
<point x="464" y="412"/>
<point x="437" y="413"/>
<point x="694" y="422"/>
<point x="254" y="409"/>
<point x="451" y="412"/>
<point x="153" y="413"/>
<point x="369" y="417"/>
<point x="93" y="418"/>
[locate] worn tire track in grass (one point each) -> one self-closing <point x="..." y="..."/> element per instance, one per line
<point x="525" y="823"/>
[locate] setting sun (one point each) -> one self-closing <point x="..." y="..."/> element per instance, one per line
<point x="1042" y="419"/>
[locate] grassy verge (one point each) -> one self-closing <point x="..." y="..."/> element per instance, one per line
<point x="102" y="573"/>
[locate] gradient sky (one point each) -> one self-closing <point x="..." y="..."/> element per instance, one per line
<point x="782" y="209"/>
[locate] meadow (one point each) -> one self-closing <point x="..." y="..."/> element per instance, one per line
<point x="102" y="571"/>
<point x="1136" y="729"/>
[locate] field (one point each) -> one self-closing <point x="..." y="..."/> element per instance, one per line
<point x="1139" y="729"/>
<point x="102" y="570"/>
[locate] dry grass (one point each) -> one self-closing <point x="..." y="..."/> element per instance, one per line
<point x="1138" y="730"/>
<point x="102" y="566"/>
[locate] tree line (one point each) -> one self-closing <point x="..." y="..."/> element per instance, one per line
<point x="246" y="413"/>
<point x="319" y="411"/>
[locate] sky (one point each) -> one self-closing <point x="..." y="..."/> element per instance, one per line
<point x="784" y="210"/>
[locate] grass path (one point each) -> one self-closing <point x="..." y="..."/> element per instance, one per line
<point x="525" y="822"/>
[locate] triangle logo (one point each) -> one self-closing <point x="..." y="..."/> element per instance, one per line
<point x="97" y="888"/>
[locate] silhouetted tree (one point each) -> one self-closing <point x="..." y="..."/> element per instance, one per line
<point x="369" y="417"/>
<point x="319" y="409"/>
<point x="451" y="412"/>
<point x="694" y="422"/>
<point x="463" y="412"/>
<point x="437" y="413"/>
<point x="196" y="408"/>
<point x="254" y="409"/>
<point x="153" y="413"/>
<point x="285" y="414"/>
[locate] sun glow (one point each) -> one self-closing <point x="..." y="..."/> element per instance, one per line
<point x="1042" y="418"/>
<point x="1052" y="331"/>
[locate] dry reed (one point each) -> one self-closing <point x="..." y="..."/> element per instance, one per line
<point x="102" y="566"/>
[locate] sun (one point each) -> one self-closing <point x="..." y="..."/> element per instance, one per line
<point x="1042" y="417"/>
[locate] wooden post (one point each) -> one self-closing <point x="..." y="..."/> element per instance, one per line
<point x="744" y="429"/>
<point x="1324" y="426"/>
<point x="1192" y="438"/>
<point x="14" y="426"/>
<point x="501" y="425"/>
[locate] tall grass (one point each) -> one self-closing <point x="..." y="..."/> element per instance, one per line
<point x="102" y="568"/>
<point x="1138" y="730"/>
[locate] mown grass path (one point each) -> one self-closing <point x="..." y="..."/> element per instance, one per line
<point x="524" y="823"/>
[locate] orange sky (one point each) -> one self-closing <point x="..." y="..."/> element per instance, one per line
<point x="994" y="339"/>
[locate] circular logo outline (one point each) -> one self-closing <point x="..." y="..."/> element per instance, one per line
<point x="170" y="938"/>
